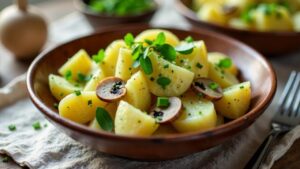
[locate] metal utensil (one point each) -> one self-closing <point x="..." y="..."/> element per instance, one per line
<point x="287" y="116"/>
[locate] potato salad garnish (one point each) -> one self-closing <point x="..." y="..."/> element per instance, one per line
<point x="150" y="84"/>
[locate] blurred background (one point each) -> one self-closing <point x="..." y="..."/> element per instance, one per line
<point x="5" y="3"/>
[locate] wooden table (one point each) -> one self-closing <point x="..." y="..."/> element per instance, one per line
<point x="54" y="9"/>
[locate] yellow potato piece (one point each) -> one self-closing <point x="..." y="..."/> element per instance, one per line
<point x="216" y="57"/>
<point x="124" y="69"/>
<point x="223" y="78"/>
<point x="237" y="23"/>
<point x="80" y="109"/>
<point x="196" y="61"/>
<point x="296" y="19"/>
<point x="151" y="34"/>
<point x="95" y="125"/>
<point x="79" y="63"/>
<point x="132" y="121"/>
<point x="108" y="64"/>
<point x="241" y="4"/>
<point x="212" y="12"/>
<point x="198" y="3"/>
<point x="96" y="78"/>
<point x="235" y="102"/>
<point x="277" y="21"/>
<point x="60" y="87"/>
<point x="181" y="78"/>
<point x="197" y="114"/>
<point x="138" y="93"/>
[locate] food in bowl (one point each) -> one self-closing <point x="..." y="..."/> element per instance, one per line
<point x="153" y="84"/>
<point x="121" y="7"/>
<point x="264" y="15"/>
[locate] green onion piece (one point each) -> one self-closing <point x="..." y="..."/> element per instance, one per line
<point x="104" y="120"/>
<point x="99" y="56"/>
<point x="162" y="102"/>
<point x="36" y="125"/>
<point x="213" y="86"/>
<point x="129" y="39"/>
<point x="12" y="127"/>
<point x="225" y="63"/>
<point x="68" y="75"/>
<point x="163" y="81"/>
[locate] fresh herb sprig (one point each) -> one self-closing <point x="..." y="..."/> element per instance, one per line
<point x="104" y="119"/>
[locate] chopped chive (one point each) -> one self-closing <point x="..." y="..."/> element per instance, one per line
<point x="199" y="65"/>
<point x="162" y="102"/>
<point x="36" y="125"/>
<point x="213" y="86"/>
<point x="90" y="103"/>
<point x="241" y="87"/>
<point x="12" y="127"/>
<point x="200" y="112"/>
<point x="163" y="81"/>
<point x="68" y="75"/>
<point x="166" y="66"/>
<point x="225" y="63"/>
<point x="77" y="92"/>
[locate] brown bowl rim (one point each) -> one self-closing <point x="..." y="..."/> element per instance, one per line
<point x="224" y="129"/>
<point x="82" y="7"/>
<point x="190" y="14"/>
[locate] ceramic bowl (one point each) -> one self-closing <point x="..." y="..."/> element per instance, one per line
<point x="268" y="43"/>
<point x="98" y="20"/>
<point x="252" y="66"/>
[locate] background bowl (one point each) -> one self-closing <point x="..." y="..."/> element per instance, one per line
<point x="101" y="20"/>
<point x="252" y="65"/>
<point x="269" y="43"/>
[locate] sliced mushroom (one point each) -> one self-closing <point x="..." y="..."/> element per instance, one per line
<point x="111" y="89"/>
<point x="168" y="114"/>
<point x="208" y="88"/>
<point x="229" y="9"/>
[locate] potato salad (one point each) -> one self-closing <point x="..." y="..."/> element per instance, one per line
<point x="257" y="15"/>
<point x="151" y="84"/>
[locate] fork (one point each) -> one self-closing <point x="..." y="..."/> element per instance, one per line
<point x="286" y="117"/>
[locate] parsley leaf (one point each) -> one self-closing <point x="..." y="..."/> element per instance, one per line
<point x="99" y="56"/>
<point x="160" y="39"/>
<point x="168" y="52"/>
<point x="146" y="65"/>
<point x="129" y="39"/>
<point x="225" y="63"/>
<point x="185" y="48"/>
<point x="104" y="120"/>
<point x="189" y="39"/>
<point x="163" y="81"/>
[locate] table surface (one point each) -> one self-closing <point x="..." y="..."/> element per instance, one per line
<point x="55" y="9"/>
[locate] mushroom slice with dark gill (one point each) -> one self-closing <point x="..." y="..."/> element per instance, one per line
<point x="168" y="113"/>
<point x="111" y="89"/>
<point x="208" y="88"/>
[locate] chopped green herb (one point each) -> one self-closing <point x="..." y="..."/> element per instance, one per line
<point x="152" y="79"/>
<point x="129" y="39"/>
<point x="99" y="57"/>
<point x="5" y="159"/>
<point x="199" y="65"/>
<point x="166" y="66"/>
<point x="213" y="86"/>
<point x="163" y="81"/>
<point x="200" y="112"/>
<point x="104" y="120"/>
<point x="82" y="78"/>
<point x="90" y="102"/>
<point x="36" y="125"/>
<point x="146" y="65"/>
<point x="77" y="92"/>
<point x="225" y="63"/>
<point x="189" y="39"/>
<point x="55" y="105"/>
<point x="68" y="75"/>
<point x="241" y="87"/>
<point x="185" y="48"/>
<point x="149" y="42"/>
<point x="162" y="102"/>
<point x="12" y="127"/>
<point x="160" y="39"/>
<point x="167" y="51"/>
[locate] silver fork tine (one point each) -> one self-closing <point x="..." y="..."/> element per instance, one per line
<point x="286" y="91"/>
<point x="287" y="110"/>
<point x="296" y="104"/>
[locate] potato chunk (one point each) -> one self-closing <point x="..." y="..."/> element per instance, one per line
<point x="235" y="102"/>
<point x="60" y="87"/>
<point x="197" y="114"/>
<point x="124" y="69"/>
<point x="212" y="12"/>
<point x="132" y="121"/>
<point x="223" y="78"/>
<point x="151" y="34"/>
<point x="216" y="57"/>
<point x="196" y="61"/>
<point x="93" y="83"/>
<point x="79" y="63"/>
<point x="180" y="78"/>
<point x="138" y="93"/>
<point x="108" y="64"/>
<point x="81" y="108"/>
